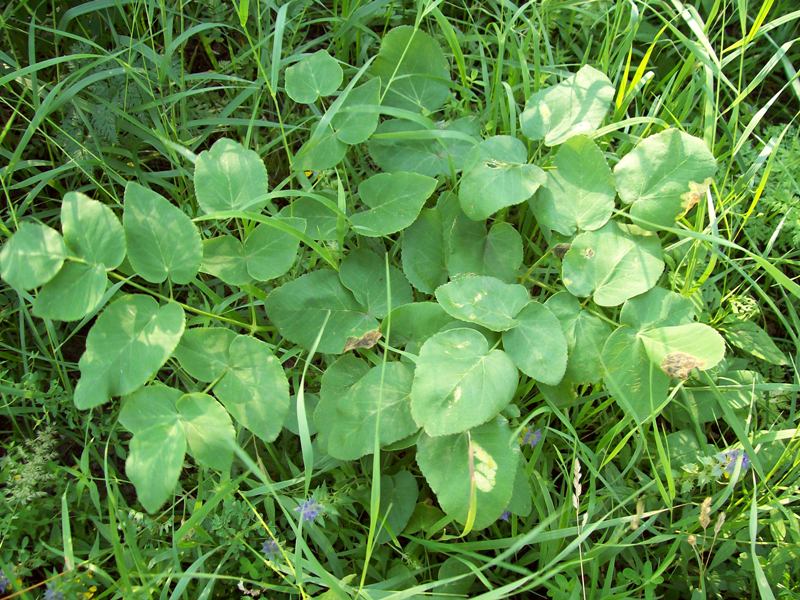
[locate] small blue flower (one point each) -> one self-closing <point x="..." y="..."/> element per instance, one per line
<point x="270" y="548"/>
<point x="52" y="593"/>
<point x="532" y="437"/>
<point x="505" y="516"/>
<point x="727" y="461"/>
<point x="4" y="582"/>
<point x="309" y="509"/>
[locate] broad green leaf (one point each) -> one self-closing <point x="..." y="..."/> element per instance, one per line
<point x="149" y="406"/>
<point x="299" y="308"/>
<point x="311" y="401"/>
<point x="230" y="177"/>
<point x="664" y="176"/>
<point x="270" y="252"/>
<point x="379" y="399"/>
<point x="677" y="349"/>
<point x="575" y="106"/>
<point x="484" y="459"/>
<point x="693" y="405"/>
<point x="485" y="301"/>
<point x="364" y="273"/>
<point x="520" y="503"/>
<point x="203" y="352"/>
<point x="749" y="337"/>
<point x="322" y="151"/>
<point x="224" y="257"/>
<point x="657" y="307"/>
<point x="413" y="70"/>
<point x="394" y="201"/>
<point x="585" y="333"/>
<point x="423" y="252"/>
<point x="399" y="494"/>
<point x="612" y="265"/>
<point x="579" y="193"/>
<point x="130" y="340"/>
<point x="76" y="291"/>
<point x="162" y="241"/>
<point x="469" y="249"/>
<point x="336" y="381"/>
<point x="537" y="344"/>
<point x="459" y="383"/>
<point x="498" y="177"/>
<point x="254" y="388"/>
<point x="208" y="429"/>
<point x="32" y="256"/>
<point x="321" y="221"/>
<point x="92" y="231"/>
<point x="400" y="145"/>
<point x="315" y="75"/>
<point x="638" y="385"/>
<point x="357" y="118"/>
<point x="415" y="322"/>
<point x="154" y="463"/>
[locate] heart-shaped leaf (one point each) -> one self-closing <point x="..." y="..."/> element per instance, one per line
<point x="423" y="252"/>
<point x="32" y="256"/>
<point x="498" y="177"/>
<point x="203" y="352"/>
<point x="154" y="463"/>
<point x="92" y="231"/>
<point x="128" y="343"/>
<point x="224" y="257"/>
<point x="394" y="200"/>
<point x="665" y="175"/>
<point x="537" y="344"/>
<point x="612" y="264"/>
<point x="76" y="291"/>
<point x="483" y="300"/>
<point x="270" y="252"/>
<point x="299" y="308"/>
<point x="208" y="429"/>
<point x="358" y="116"/>
<point x="363" y="273"/>
<point x="413" y="70"/>
<point x="480" y="464"/>
<point x="579" y="193"/>
<point x="230" y="177"/>
<point x="162" y="240"/>
<point x="315" y="75"/>
<point x="677" y="349"/>
<point x="459" y="383"/>
<point x="323" y="150"/>
<point x="657" y="308"/>
<point x="575" y="106"/>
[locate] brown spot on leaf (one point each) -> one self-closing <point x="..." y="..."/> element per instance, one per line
<point x="680" y="364"/>
<point x="696" y="192"/>
<point x="560" y="250"/>
<point x="368" y="340"/>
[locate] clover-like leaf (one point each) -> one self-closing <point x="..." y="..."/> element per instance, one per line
<point x="665" y="175"/>
<point x="299" y="309"/>
<point x="315" y="75"/>
<point x="459" y="383"/>
<point x="270" y="252"/>
<point x="413" y="70"/>
<point x="575" y="106"/>
<point x="32" y="256"/>
<point x="483" y="300"/>
<point x="230" y="177"/>
<point x="323" y="150"/>
<point x="422" y="254"/>
<point x="400" y="145"/>
<point x="612" y="264"/>
<point x="357" y="118"/>
<point x="378" y="400"/>
<point x="129" y="342"/>
<point x="76" y="291"/>
<point x="498" y="177"/>
<point x="677" y="349"/>
<point x="363" y="273"/>
<point x="579" y="193"/>
<point x="415" y="322"/>
<point x="162" y="240"/>
<point x="154" y="463"/>
<point x="224" y="257"/>
<point x="585" y="333"/>
<point x="321" y="220"/>
<point x="537" y="344"/>
<point x="92" y="231"/>
<point x="399" y="494"/>
<point x="208" y="429"/>
<point x="203" y="352"/>
<point x="480" y="464"/>
<point x="254" y="387"/>
<point x="657" y="308"/>
<point x="394" y="200"/>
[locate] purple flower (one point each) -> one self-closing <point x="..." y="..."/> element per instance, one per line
<point x="309" y="509"/>
<point x="532" y="437"/>
<point x="505" y="516"/>
<point x="52" y="594"/>
<point x="270" y="548"/>
<point x="4" y="582"/>
<point x="729" y="458"/>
